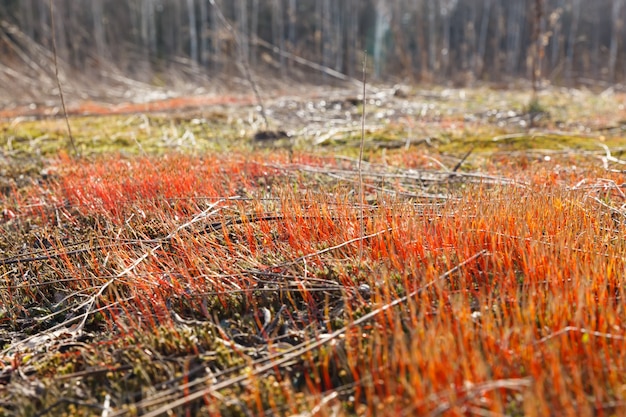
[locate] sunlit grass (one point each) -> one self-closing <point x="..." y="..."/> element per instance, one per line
<point x="158" y="272"/>
<point x="181" y="266"/>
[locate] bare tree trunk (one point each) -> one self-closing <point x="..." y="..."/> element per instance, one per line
<point x="97" y="13"/>
<point x="216" y="30"/>
<point x="317" y="33"/>
<point x="60" y="11"/>
<point x="254" y="31"/>
<point x="516" y="17"/>
<point x="536" y="49"/>
<point x="325" y="32"/>
<point x="383" y="23"/>
<point x="469" y="57"/>
<point x="420" y="40"/>
<point x="278" y="33"/>
<point x="167" y="24"/>
<point x="337" y="26"/>
<point x="204" y="33"/>
<point x="573" y="31"/>
<point x="432" y="37"/>
<point x="241" y="16"/>
<point x="170" y="24"/>
<point x="595" y="43"/>
<point x="148" y="29"/>
<point x="44" y="24"/>
<point x="498" y="39"/>
<point x="615" y="35"/>
<point x="72" y="28"/>
<point x="27" y="18"/>
<point x="401" y="47"/>
<point x="193" y="35"/>
<point x="557" y="35"/>
<point x="149" y="33"/>
<point x="482" y="38"/>
<point x="352" y="33"/>
<point x="292" y="18"/>
<point x="445" y="10"/>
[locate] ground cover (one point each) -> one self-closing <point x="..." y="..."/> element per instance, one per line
<point x="180" y="266"/>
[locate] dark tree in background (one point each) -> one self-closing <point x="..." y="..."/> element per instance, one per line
<point x="444" y="41"/>
<point x="537" y="46"/>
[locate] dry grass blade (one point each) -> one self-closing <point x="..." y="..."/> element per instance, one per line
<point x="323" y="402"/>
<point x="91" y="301"/>
<point x="360" y="161"/>
<point x="474" y="391"/>
<point x="58" y="81"/>
<point x="333" y="248"/>
<point x="573" y="329"/>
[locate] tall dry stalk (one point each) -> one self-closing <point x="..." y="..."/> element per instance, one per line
<point x="56" y="75"/>
<point x="361" y="196"/>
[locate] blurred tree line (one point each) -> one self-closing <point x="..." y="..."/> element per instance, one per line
<point x="455" y="41"/>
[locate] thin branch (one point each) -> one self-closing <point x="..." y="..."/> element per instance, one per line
<point x="302" y="61"/>
<point x="243" y="62"/>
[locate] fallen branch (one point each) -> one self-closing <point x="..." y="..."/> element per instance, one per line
<point x="310" y="64"/>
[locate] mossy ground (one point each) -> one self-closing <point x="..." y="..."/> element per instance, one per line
<point x="178" y="265"/>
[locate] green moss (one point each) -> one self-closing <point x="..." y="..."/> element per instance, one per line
<point x="136" y="134"/>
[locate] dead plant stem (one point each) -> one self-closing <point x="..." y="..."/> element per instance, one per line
<point x="361" y="196"/>
<point x="56" y="76"/>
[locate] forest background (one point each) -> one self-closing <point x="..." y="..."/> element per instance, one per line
<point x="176" y="43"/>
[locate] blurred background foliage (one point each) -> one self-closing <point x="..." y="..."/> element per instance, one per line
<point x="453" y="42"/>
